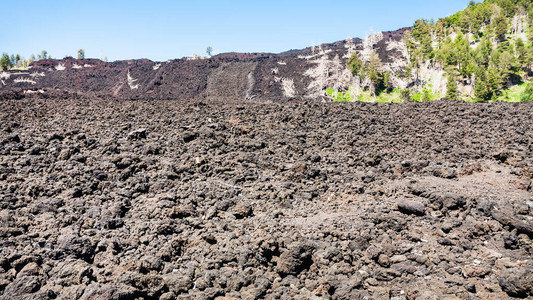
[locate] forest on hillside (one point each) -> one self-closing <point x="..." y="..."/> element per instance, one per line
<point x="488" y="46"/>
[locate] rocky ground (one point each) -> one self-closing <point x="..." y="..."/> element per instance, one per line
<point x="164" y="200"/>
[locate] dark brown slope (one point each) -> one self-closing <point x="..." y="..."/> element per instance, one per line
<point x="230" y="76"/>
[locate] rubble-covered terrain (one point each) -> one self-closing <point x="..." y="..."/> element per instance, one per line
<point x="198" y="200"/>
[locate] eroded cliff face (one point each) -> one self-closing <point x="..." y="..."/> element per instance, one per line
<point x="298" y="74"/>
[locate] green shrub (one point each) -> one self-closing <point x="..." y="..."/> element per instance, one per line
<point x="405" y="94"/>
<point x="340" y="96"/>
<point x="425" y="95"/>
<point x="527" y="94"/>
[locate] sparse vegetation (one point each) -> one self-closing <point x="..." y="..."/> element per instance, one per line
<point x="44" y="55"/>
<point x="345" y="96"/>
<point x="378" y="80"/>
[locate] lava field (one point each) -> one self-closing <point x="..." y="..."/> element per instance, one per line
<point x="201" y="200"/>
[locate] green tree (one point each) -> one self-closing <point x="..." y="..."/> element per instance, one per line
<point x="476" y="21"/>
<point x="507" y="66"/>
<point x="373" y="71"/>
<point x="43" y="55"/>
<point x="465" y="21"/>
<point x="521" y="53"/>
<point x="494" y="81"/>
<point x="387" y="84"/>
<point x="529" y="60"/>
<point x="427" y="49"/>
<point x="17" y="58"/>
<point x="421" y="30"/>
<point x="480" y="87"/>
<point x="500" y="27"/>
<point x="440" y="30"/>
<point x="452" y="92"/>
<point x="5" y="62"/>
<point x="209" y="51"/>
<point x="483" y="52"/>
<point x="81" y="54"/>
<point x="355" y="64"/>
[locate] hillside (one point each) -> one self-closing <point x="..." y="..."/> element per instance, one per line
<point x="236" y="77"/>
<point x="475" y="54"/>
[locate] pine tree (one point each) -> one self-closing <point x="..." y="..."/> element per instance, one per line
<point x="483" y="52"/>
<point x="521" y="53"/>
<point x="476" y="22"/>
<point x="387" y="84"/>
<point x="440" y="30"/>
<point x="5" y="62"/>
<point x="373" y="71"/>
<point x="355" y="64"/>
<point x="500" y="27"/>
<point x="493" y="82"/>
<point x="421" y="30"/>
<point x="43" y="55"/>
<point x="465" y="21"/>
<point x="452" y="92"/>
<point x="480" y="88"/>
<point x="507" y="66"/>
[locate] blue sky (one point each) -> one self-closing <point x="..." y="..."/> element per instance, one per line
<point x="164" y="29"/>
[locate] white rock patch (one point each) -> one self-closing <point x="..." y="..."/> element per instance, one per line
<point x="37" y="74"/>
<point x="4" y="75"/>
<point x="131" y="82"/>
<point x="288" y="87"/>
<point x="24" y="80"/>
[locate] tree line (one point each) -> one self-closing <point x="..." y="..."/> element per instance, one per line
<point x="15" y="61"/>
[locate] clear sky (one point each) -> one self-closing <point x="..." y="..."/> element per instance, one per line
<point x="165" y="29"/>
